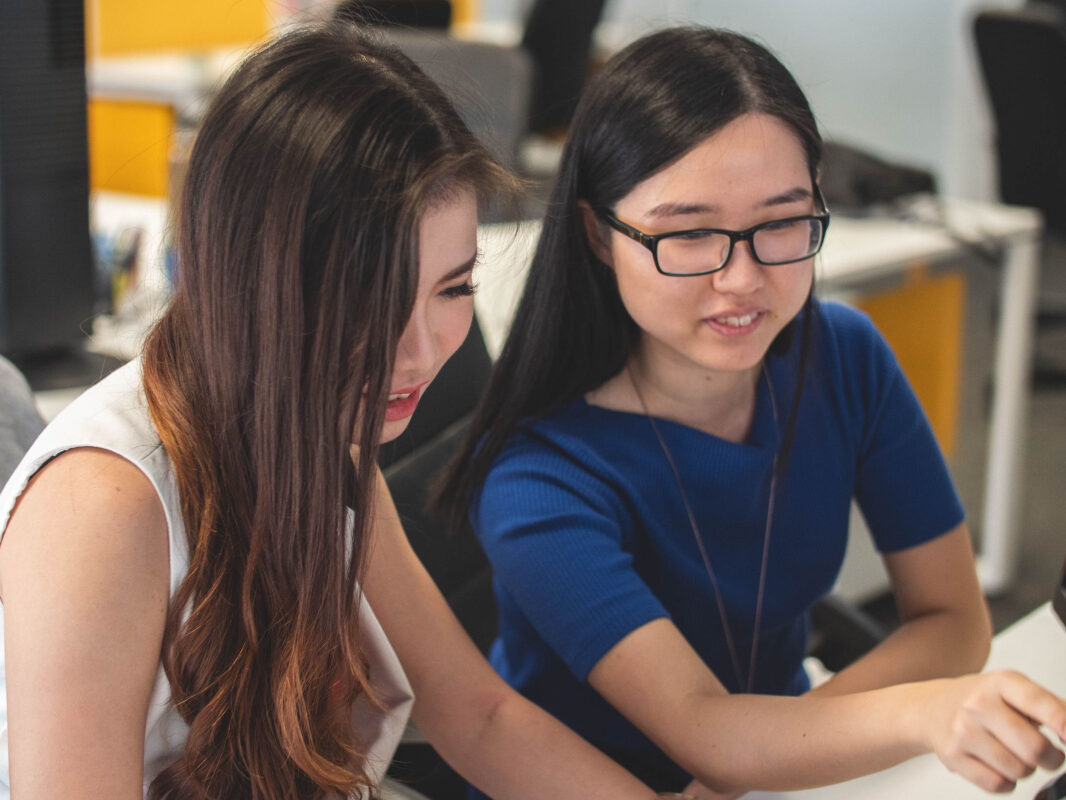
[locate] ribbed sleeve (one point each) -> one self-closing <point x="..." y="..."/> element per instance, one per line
<point x="555" y="532"/>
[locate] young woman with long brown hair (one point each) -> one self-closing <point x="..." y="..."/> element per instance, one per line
<point x="206" y="590"/>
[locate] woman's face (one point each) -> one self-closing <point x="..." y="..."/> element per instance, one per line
<point x="751" y="171"/>
<point x="443" y="309"/>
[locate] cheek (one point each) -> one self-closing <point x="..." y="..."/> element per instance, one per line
<point x="451" y="326"/>
<point x="794" y="285"/>
<point x="654" y="301"/>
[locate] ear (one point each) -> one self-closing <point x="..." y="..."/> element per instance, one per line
<point x="596" y="233"/>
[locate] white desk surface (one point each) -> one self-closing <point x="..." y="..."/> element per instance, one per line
<point x="860" y="248"/>
<point x="1036" y="646"/>
<point x="176" y="77"/>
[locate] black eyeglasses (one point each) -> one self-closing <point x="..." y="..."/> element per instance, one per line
<point x="705" y="250"/>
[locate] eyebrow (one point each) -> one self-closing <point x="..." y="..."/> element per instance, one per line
<point x="681" y="209"/>
<point x="462" y="269"/>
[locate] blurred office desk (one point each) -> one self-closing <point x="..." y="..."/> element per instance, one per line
<point x="1036" y="646"/>
<point x="863" y="251"/>
<point x="860" y="250"/>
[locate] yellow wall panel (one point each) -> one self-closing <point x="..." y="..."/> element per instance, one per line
<point x="119" y="27"/>
<point x="129" y="146"/>
<point x="465" y="11"/>
<point x="923" y="322"/>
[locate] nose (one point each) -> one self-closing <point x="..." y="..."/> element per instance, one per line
<point x="416" y="352"/>
<point x="741" y="274"/>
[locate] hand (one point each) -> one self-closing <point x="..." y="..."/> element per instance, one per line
<point x="697" y="791"/>
<point x="986" y="728"/>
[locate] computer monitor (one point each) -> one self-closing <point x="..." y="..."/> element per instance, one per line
<point x="46" y="266"/>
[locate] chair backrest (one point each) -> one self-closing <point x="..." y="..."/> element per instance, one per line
<point x="489" y="84"/>
<point x="413" y="461"/>
<point x="433" y="14"/>
<point x="20" y="422"/>
<point x="1022" y="54"/>
<point x="558" y="37"/>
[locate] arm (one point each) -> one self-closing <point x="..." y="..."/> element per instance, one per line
<point x="983" y="727"/>
<point x="501" y="742"/>
<point x="946" y="630"/>
<point x="84" y="575"/>
<point x="945" y="626"/>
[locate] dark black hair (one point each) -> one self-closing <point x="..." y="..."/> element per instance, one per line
<point x="650" y="105"/>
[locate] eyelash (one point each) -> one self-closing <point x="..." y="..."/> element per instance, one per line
<point x="460" y="290"/>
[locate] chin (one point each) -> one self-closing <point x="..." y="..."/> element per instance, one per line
<point x="735" y="361"/>
<point x="392" y="430"/>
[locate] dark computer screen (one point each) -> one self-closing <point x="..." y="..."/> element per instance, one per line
<point x="46" y="268"/>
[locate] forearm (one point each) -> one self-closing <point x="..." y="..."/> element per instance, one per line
<point x="521" y="752"/>
<point x="783" y="743"/>
<point x="936" y="645"/>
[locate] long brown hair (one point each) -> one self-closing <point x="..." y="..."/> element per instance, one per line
<point x="298" y="258"/>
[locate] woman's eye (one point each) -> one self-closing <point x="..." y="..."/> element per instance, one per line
<point x="692" y="236"/>
<point x="784" y="225"/>
<point x="465" y="289"/>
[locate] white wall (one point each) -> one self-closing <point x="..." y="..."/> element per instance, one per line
<point x="898" y="77"/>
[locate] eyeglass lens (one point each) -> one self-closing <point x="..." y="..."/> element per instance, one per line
<point x="776" y="243"/>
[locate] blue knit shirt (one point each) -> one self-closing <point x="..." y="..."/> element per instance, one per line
<point x="589" y="539"/>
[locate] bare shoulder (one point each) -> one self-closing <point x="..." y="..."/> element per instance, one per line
<point x="92" y="510"/>
<point x="84" y="575"/>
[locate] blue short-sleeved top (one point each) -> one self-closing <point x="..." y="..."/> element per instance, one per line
<point x="589" y="539"/>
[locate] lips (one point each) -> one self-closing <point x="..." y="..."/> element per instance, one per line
<point x="402" y="404"/>
<point x="736" y="323"/>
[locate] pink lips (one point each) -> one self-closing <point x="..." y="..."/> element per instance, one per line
<point x="403" y="407"/>
<point x="742" y="323"/>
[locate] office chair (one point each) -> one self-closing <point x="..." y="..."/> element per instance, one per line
<point x="20" y="422"/>
<point x="558" y="38"/>
<point x="432" y="14"/>
<point x="1022" y="53"/>
<point x="841" y="633"/>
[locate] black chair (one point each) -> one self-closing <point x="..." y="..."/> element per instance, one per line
<point x="432" y="14"/>
<point x="558" y="37"/>
<point x="1022" y="53"/>
<point x="842" y="633"/>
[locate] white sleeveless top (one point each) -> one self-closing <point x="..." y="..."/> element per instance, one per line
<point x="113" y="415"/>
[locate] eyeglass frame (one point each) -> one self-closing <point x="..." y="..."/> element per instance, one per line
<point x="651" y="240"/>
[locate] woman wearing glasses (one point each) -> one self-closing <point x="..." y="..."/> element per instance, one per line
<point x="662" y="468"/>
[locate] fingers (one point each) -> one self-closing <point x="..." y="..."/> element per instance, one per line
<point x="995" y="737"/>
<point x="982" y="776"/>
<point x="1002" y="760"/>
<point x="1034" y="701"/>
<point x="1020" y="745"/>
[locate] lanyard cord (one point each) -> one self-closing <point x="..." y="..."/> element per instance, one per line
<point x="750" y="682"/>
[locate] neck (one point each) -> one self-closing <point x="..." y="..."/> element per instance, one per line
<point x="720" y="403"/>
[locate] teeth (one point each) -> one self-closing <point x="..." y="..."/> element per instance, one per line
<point x="736" y="322"/>
<point x="399" y="396"/>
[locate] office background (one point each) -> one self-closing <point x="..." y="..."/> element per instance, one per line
<point x="899" y="78"/>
